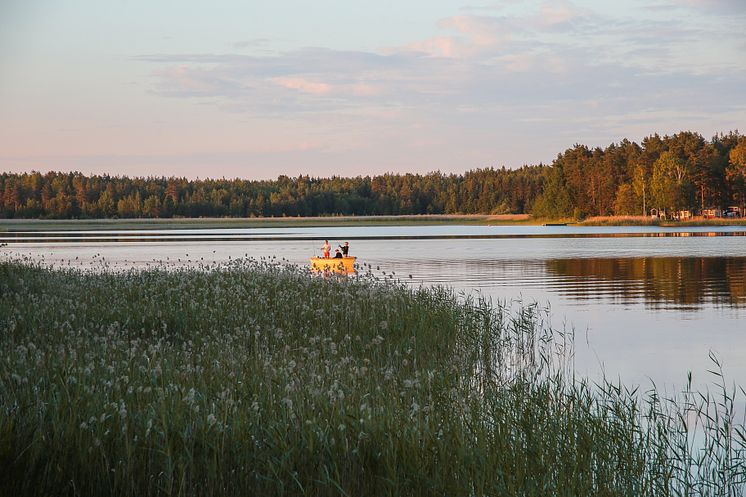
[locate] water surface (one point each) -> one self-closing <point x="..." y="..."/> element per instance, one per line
<point x="647" y="303"/>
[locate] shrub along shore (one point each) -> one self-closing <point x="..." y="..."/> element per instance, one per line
<point x="252" y="378"/>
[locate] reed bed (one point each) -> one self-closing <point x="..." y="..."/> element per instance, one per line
<point x="253" y="378"/>
<point x="650" y="221"/>
<point x="622" y="221"/>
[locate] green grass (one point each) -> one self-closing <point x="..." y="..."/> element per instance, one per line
<point x="257" y="379"/>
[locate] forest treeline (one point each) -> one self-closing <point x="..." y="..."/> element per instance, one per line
<point x="670" y="173"/>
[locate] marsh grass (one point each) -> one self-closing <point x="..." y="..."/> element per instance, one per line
<point x="621" y="221"/>
<point x="252" y="378"/>
<point x="649" y="221"/>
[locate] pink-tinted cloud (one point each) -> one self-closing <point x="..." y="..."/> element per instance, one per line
<point x="474" y="35"/>
<point x="337" y="89"/>
<point x="483" y="35"/>
<point x="441" y="46"/>
<point x="557" y="13"/>
<point x="304" y="85"/>
<point x="491" y="32"/>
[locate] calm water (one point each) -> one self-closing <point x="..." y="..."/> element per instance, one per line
<point x="646" y="302"/>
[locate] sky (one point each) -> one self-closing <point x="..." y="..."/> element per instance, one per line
<point x="256" y="89"/>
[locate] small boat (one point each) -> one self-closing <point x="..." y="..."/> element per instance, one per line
<point x="340" y="265"/>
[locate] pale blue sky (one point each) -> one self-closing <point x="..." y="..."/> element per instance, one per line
<point x="258" y="89"/>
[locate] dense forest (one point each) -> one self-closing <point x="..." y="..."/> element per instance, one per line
<point x="73" y="195"/>
<point x="683" y="172"/>
<point x="669" y="174"/>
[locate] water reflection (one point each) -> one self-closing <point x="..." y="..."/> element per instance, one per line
<point x="660" y="282"/>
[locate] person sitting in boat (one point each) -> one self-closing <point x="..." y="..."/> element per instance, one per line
<point x="337" y="254"/>
<point x="326" y="248"/>
<point x="345" y="249"/>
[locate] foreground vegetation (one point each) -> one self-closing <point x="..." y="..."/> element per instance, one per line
<point x="254" y="378"/>
<point x="670" y="173"/>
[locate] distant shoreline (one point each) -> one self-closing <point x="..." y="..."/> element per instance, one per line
<point x="9" y="225"/>
<point x="261" y="222"/>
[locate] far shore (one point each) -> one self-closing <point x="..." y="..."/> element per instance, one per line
<point x="404" y="220"/>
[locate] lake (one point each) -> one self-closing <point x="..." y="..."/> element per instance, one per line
<point x="646" y="303"/>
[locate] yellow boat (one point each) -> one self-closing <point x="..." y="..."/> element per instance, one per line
<point x="340" y="265"/>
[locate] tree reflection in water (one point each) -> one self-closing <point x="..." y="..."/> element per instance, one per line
<point x="686" y="282"/>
